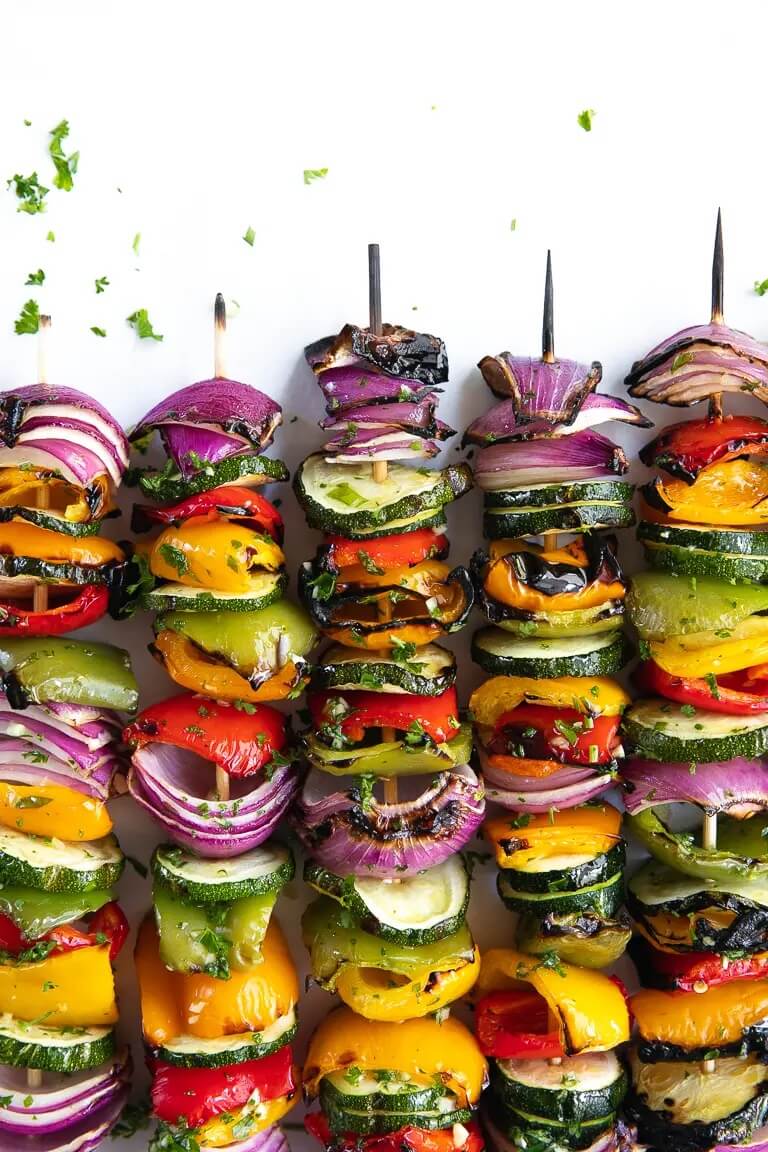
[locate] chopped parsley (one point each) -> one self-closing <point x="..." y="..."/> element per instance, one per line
<point x="98" y="331"/>
<point x="29" y="319"/>
<point x="312" y="174"/>
<point x="174" y="558"/>
<point x="584" y="119"/>
<point x="249" y="236"/>
<point x="29" y="192"/>
<point x="101" y="284"/>
<point x="142" y="325"/>
<point x="345" y="494"/>
<point x="761" y="287"/>
<point x="66" y="166"/>
<point x="681" y="360"/>
<point x="370" y="566"/>
<point x="35" y="277"/>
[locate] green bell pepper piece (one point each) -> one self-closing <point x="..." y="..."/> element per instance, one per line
<point x="213" y="938"/>
<point x="42" y="669"/>
<point x="395" y="758"/>
<point x="248" y="641"/>
<point x="731" y="860"/>
<point x="662" y="604"/>
<point x="573" y="941"/>
<point x="334" y="939"/>
<point x="36" y="912"/>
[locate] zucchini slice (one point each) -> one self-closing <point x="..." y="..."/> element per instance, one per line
<point x="417" y="909"/>
<point x="655" y="888"/>
<point x="56" y="866"/>
<point x="663" y="734"/>
<point x="345" y="498"/>
<point x="542" y="1132"/>
<point x="266" y="588"/>
<point x="676" y="1105"/>
<point x="557" y="625"/>
<point x="508" y="523"/>
<point x="565" y="874"/>
<point x="731" y="554"/>
<point x="195" y="1052"/>
<point x="379" y="1090"/>
<point x="53" y="521"/>
<point x="577" y="1089"/>
<point x="358" y="1119"/>
<point x="393" y="758"/>
<point x="26" y="1044"/>
<point x="427" y="672"/>
<point x="601" y="654"/>
<point x="265" y="869"/>
<point x="604" y="898"/>
<point x="169" y="486"/>
<point x="50" y="571"/>
<point x="549" y="495"/>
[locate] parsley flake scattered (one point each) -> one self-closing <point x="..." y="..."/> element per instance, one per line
<point x="312" y="174"/>
<point x="761" y="287"/>
<point x="249" y="236"/>
<point x="35" y="277"/>
<point x="101" y="284"/>
<point x="29" y="319"/>
<point x="584" y="119"/>
<point x="98" y="331"/>
<point x="66" y="166"/>
<point x="139" y="320"/>
<point x="30" y="193"/>
<point x="136" y="243"/>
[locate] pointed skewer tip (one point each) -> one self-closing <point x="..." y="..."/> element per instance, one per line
<point x="548" y="322"/>
<point x="718" y="273"/>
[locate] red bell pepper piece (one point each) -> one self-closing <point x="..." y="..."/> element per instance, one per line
<point x="560" y="734"/>
<point x="240" y="742"/>
<point x="728" y="694"/>
<point x="398" y="551"/>
<point x="355" y="712"/>
<point x="227" y="500"/>
<point x="685" y="449"/>
<point x="515" y="1025"/>
<point x="696" y="971"/>
<point x="110" y="921"/>
<point x="107" y="926"/>
<point x="199" y="1094"/>
<point x="88" y="606"/>
<point x="407" y="1139"/>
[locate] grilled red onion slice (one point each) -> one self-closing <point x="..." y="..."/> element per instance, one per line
<point x="268" y="1140"/>
<point x="583" y="456"/>
<point x="347" y="388"/>
<point x="350" y="836"/>
<point x="738" y="787"/>
<point x="174" y="786"/>
<point x="44" y="409"/>
<point x="85" y="1133"/>
<point x="537" y="803"/>
<point x="221" y="406"/>
<point x="395" y="351"/>
<point x="61" y="1098"/>
<point x="500" y="423"/>
<point x="48" y="740"/>
<point x="77" y="466"/>
<point x="93" y="728"/>
<point x="540" y="391"/>
<point x="24" y="763"/>
<point x="420" y="414"/>
<point x="699" y="362"/>
<point x="378" y="444"/>
<point x="189" y="445"/>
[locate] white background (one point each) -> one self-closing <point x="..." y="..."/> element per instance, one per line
<point x="439" y="123"/>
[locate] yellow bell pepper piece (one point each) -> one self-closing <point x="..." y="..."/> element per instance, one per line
<point x="588" y="1006"/>
<point x="568" y="833"/>
<point x="369" y="991"/>
<point x="590" y="695"/>
<point x="708" y="1019"/>
<point x="70" y="990"/>
<point x="176" y="1004"/>
<point x="731" y="493"/>
<point x="703" y="653"/>
<point x="501" y="583"/>
<point x="23" y="539"/>
<point x="53" y="810"/>
<point x="414" y="576"/>
<point x="213" y="552"/>
<point x="189" y="667"/>
<point x="421" y="1048"/>
<point x="20" y="487"/>
<point x="218" y="1132"/>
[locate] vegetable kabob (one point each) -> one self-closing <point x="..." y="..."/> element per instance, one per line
<point x="547" y="721"/>
<point x="213" y="766"/>
<point x="63" y="1078"/>
<point x="388" y="933"/>
<point x="700" y="905"/>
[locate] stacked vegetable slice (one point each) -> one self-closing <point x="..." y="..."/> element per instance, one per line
<point x="61" y="457"/>
<point x="551" y="1032"/>
<point x="700" y="905"/>
<point x="214" y="767"/>
<point x="388" y="933"/>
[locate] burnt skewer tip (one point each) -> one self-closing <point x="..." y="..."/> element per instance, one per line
<point x="374" y="289"/>
<point x="220" y="312"/>
<point x="548" y="323"/>
<point x="718" y="273"/>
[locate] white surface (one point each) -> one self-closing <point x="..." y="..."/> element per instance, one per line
<point x="439" y="123"/>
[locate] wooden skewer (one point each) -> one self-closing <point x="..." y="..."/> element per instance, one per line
<point x="379" y="468"/>
<point x="552" y="541"/>
<point x="220" y="370"/>
<point x="716" y="317"/>
<point x="709" y="843"/>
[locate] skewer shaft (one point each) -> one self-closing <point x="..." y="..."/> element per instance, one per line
<point x="220" y="370"/>
<point x="709" y="842"/>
